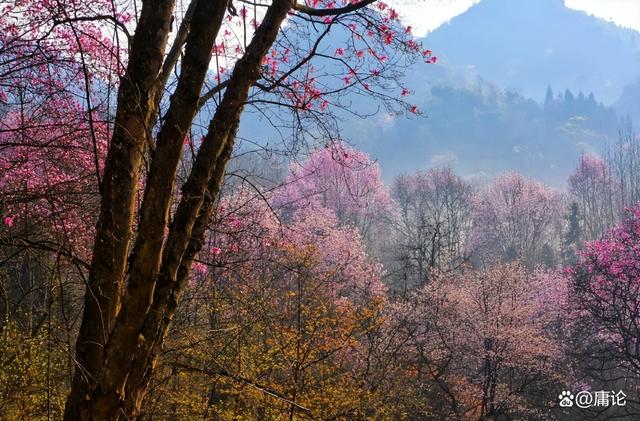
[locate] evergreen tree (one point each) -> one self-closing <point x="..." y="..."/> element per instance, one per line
<point x="568" y="109"/>
<point x="571" y="241"/>
<point x="548" y="99"/>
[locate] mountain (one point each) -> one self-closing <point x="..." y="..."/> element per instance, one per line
<point x="488" y="104"/>
<point x="483" y="130"/>
<point x="524" y="45"/>
<point x="487" y="101"/>
<point x="629" y="102"/>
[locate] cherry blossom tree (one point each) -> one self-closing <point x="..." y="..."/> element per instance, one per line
<point x="48" y="200"/>
<point x="49" y="175"/>
<point x="342" y="179"/>
<point x="516" y="218"/>
<point x="485" y="344"/>
<point x="53" y="133"/>
<point x="606" y="305"/>
<point x="595" y="190"/>
<point x="53" y="140"/>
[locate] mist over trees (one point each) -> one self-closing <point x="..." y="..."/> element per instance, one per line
<point x="516" y="133"/>
<point x="286" y="275"/>
<point x="158" y="262"/>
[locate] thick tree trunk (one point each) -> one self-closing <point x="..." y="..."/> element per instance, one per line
<point x="118" y="191"/>
<point x="166" y="299"/>
<point x="194" y="212"/>
<point x="145" y="259"/>
<point x="109" y="383"/>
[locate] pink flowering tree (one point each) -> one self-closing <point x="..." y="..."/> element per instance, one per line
<point x="53" y="131"/>
<point x="432" y="222"/>
<point x="299" y="296"/>
<point x="48" y="48"/>
<point x="48" y="203"/>
<point x="150" y="70"/>
<point x="58" y="63"/>
<point x="517" y="218"/>
<point x="342" y="179"/>
<point x="606" y="305"/>
<point x="595" y="190"/>
<point x="485" y="344"/>
<point x="49" y="169"/>
<point x="247" y="224"/>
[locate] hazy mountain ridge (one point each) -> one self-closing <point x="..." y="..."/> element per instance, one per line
<point x="486" y="130"/>
<point x="541" y="42"/>
<point x="476" y="121"/>
<point x="479" y="123"/>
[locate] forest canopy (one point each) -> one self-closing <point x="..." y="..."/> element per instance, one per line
<point x="158" y="261"/>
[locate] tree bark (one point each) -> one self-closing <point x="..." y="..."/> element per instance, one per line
<point x="166" y="299"/>
<point x="118" y="191"/>
<point x="194" y="212"/>
<point x="145" y="258"/>
<point x="107" y="385"/>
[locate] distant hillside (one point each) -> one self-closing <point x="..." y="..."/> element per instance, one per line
<point x="484" y="130"/>
<point x="629" y="102"/>
<point x="524" y="45"/>
<point x="487" y="101"/>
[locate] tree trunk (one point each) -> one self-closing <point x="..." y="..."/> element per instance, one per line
<point x="166" y="298"/>
<point x="119" y="344"/>
<point x="194" y="212"/>
<point x="117" y="196"/>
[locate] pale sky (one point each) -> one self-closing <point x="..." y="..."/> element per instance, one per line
<point x="426" y="15"/>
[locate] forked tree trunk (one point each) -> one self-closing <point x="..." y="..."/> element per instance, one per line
<point x="120" y="338"/>
<point x="117" y="197"/>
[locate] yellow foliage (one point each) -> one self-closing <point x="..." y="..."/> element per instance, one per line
<point x="32" y="378"/>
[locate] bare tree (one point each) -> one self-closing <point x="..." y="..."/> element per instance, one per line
<point x="433" y="221"/>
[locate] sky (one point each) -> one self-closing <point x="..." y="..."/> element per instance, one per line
<point x="432" y="13"/>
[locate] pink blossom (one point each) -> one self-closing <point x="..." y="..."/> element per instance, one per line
<point x="199" y="267"/>
<point x="515" y="215"/>
<point x="8" y="221"/>
<point x="341" y="179"/>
